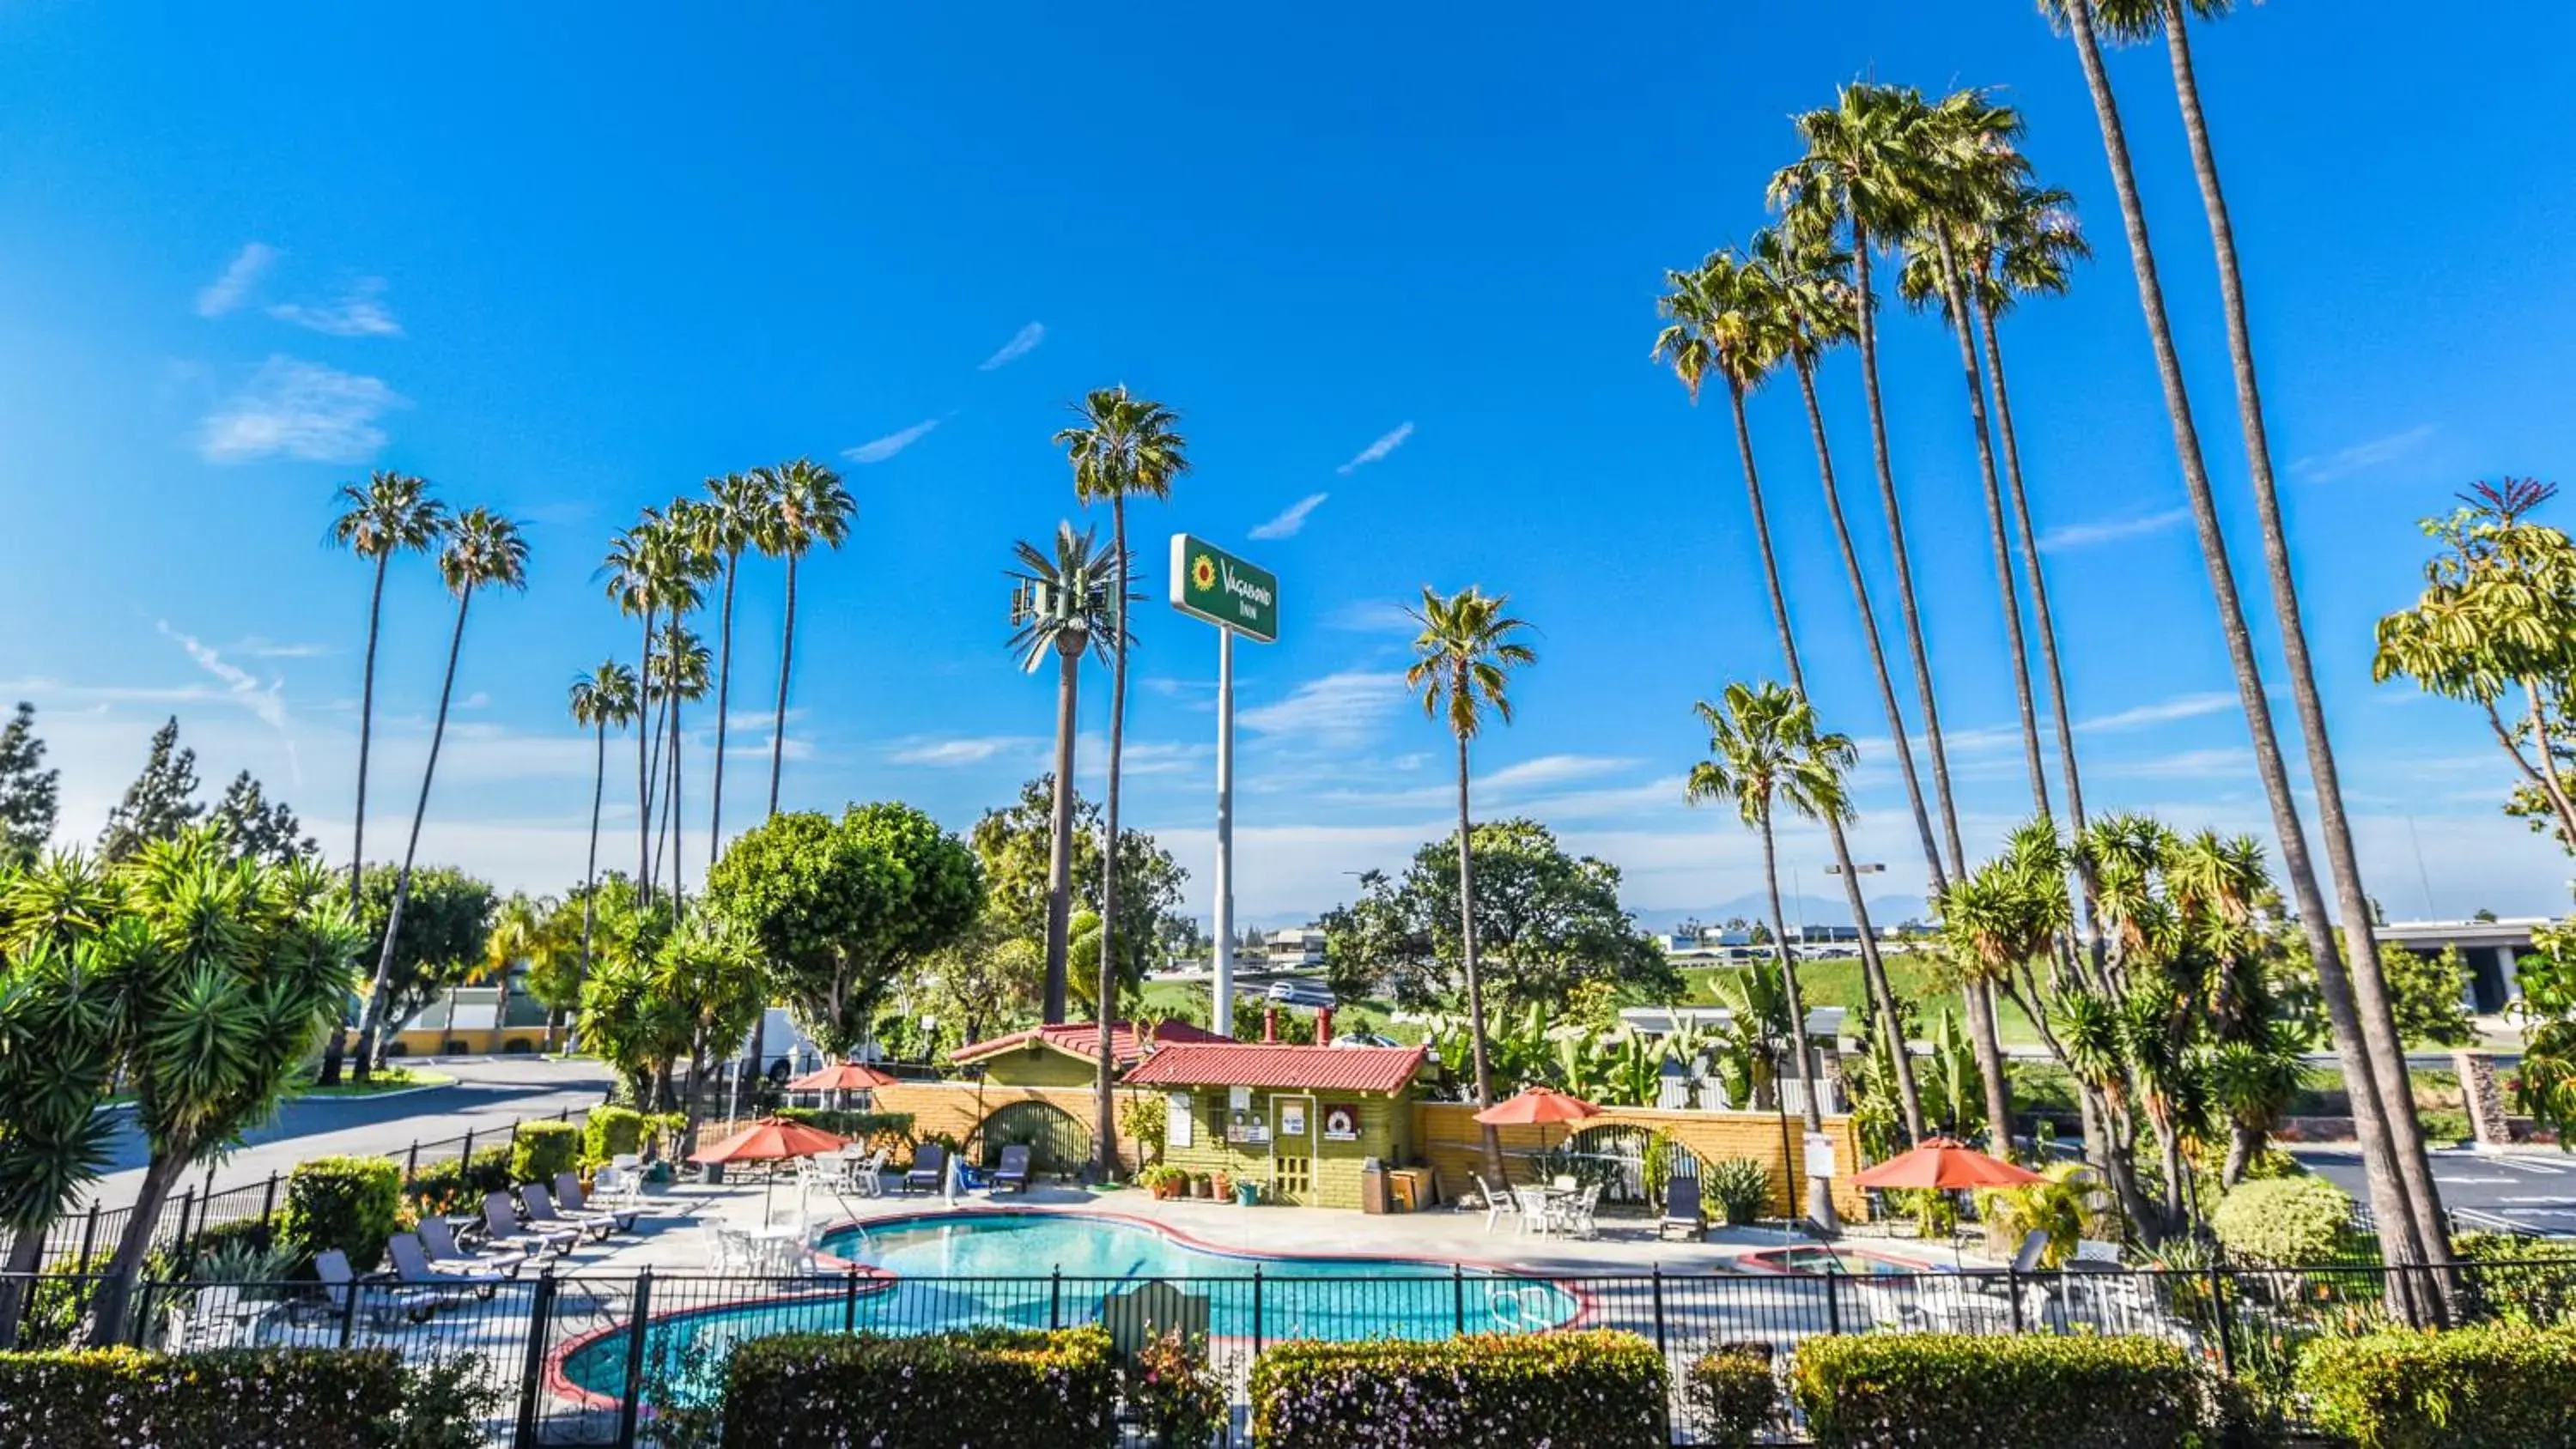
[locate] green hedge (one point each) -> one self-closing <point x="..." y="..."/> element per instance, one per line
<point x="1733" y="1396"/>
<point x="1584" y="1390"/>
<point x="2528" y="1282"/>
<point x="458" y="1186"/>
<point x="2292" y="1221"/>
<point x="2022" y="1391"/>
<point x="931" y="1391"/>
<point x="348" y="1203"/>
<point x="118" y="1398"/>
<point x="611" y="1132"/>
<point x="543" y="1149"/>
<point x="2467" y="1388"/>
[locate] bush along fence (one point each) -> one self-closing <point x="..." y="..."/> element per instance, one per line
<point x="2206" y="1358"/>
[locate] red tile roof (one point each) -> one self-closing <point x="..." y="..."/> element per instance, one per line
<point x="1082" y="1039"/>
<point x="1280" y="1067"/>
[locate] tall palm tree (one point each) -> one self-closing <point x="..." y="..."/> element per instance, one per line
<point x="1764" y="751"/>
<point x="1125" y="446"/>
<point x="484" y="551"/>
<point x="608" y="695"/>
<point x="1728" y="317"/>
<point x="2394" y="1199"/>
<point x="739" y="519"/>
<point x="2138" y="19"/>
<point x="1061" y="607"/>
<point x="812" y="507"/>
<point x="674" y="571"/>
<point x="391" y="513"/>
<point x="629" y="575"/>
<point x="678" y="668"/>
<point x="1463" y="660"/>
<point x="1864" y="174"/>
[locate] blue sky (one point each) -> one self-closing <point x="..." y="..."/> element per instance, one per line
<point x="1396" y="270"/>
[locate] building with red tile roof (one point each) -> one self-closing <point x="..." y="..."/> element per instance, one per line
<point x="1068" y="1053"/>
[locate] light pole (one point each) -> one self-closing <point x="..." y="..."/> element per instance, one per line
<point x="1859" y="868"/>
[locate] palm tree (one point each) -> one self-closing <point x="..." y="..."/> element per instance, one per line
<point x="812" y="508"/>
<point x="2395" y="1199"/>
<point x="1061" y="606"/>
<point x="1463" y="660"/>
<point x="1728" y="317"/>
<point x="518" y="935"/>
<point x="393" y="513"/>
<point x="1125" y="446"/>
<point x="741" y="516"/>
<point x="484" y="550"/>
<point x="671" y="570"/>
<point x="629" y="574"/>
<point x="678" y="668"/>
<point x="608" y="695"/>
<point x="60" y="1022"/>
<point x="1765" y="750"/>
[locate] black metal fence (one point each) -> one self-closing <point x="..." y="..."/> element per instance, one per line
<point x="565" y="1357"/>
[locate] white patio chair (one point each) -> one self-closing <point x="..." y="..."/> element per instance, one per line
<point x="1579" y="1218"/>
<point x="1538" y="1211"/>
<point x="1498" y="1204"/>
<point x="867" y="1178"/>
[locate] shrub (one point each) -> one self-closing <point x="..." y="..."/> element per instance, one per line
<point x="2526" y="1281"/>
<point x="611" y="1132"/>
<point x="459" y="1186"/>
<point x="118" y="1398"/>
<point x="2468" y="1388"/>
<point x="1585" y="1390"/>
<point x="2021" y="1391"/>
<point x="1733" y="1396"/>
<point x="1738" y="1187"/>
<point x="346" y="1203"/>
<point x="542" y="1149"/>
<point x="2285" y="1220"/>
<point x="228" y="1241"/>
<point x="930" y="1391"/>
<point x="446" y="1403"/>
<point x="1169" y="1389"/>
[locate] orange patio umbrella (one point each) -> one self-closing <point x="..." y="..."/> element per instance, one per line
<point x="1533" y="1106"/>
<point x="1944" y="1163"/>
<point x="770" y="1139"/>
<point x="842" y="1077"/>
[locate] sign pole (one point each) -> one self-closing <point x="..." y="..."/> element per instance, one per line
<point x="1223" y="924"/>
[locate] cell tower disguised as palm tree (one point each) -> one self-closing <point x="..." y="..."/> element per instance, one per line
<point x="1062" y="606"/>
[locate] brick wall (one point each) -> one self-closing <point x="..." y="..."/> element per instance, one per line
<point x="958" y="1108"/>
<point x="1448" y="1136"/>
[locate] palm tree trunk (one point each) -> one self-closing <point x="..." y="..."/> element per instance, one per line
<point x="1060" y="838"/>
<point x="590" y="872"/>
<point x="660" y="811"/>
<point x="672" y="811"/>
<point x="786" y="657"/>
<point x="643" y="768"/>
<point x="2010" y="593"/>
<point x="1896" y="731"/>
<point x="724" y="702"/>
<point x="108" y="1310"/>
<point x="1867" y="326"/>
<point x="339" y="1048"/>
<point x="1107" y="1127"/>
<point x="2378" y="1020"/>
<point x="402" y="882"/>
<point x="1873" y="971"/>
<point x="2391" y="1201"/>
<point x="1490" y="1139"/>
<point x="1820" y="1191"/>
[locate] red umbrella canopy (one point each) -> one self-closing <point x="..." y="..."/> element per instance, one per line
<point x="768" y="1140"/>
<point x="841" y="1077"/>
<point x="1942" y="1163"/>
<point x="1534" y="1105"/>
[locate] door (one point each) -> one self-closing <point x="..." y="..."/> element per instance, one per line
<point x="1292" y="1149"/>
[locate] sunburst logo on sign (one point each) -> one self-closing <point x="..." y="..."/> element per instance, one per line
<point x="1203" y="572"/>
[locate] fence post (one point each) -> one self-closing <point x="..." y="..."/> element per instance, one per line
<point x="89" y="1238"/>
<point x="541" y="1309"/>
<point x="1055" y="1299"/>
<point x="1833" y="1301"/>
<point x="141" y="1308"/>
<point x="467" y="1156"/>
<point x="2012" y="1289"/>
<point x="187" y="1203"/>
<point x="850" y="1301"/>
<point x="640" y="1318"/>
<point x="411" y="1164"/>
<point x="349" y="1312"/>
<point x="268" y="1200"/>
<point x="2219" y="1315"/>
<point x="1660" y="1345"/>
<point x="1256" y="1310"/>
<point x="1458" y="1296"/>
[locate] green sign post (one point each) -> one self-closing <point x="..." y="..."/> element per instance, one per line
<point x="1226" y="591"/>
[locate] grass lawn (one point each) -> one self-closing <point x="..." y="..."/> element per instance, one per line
<point x="387" y="1079"/>
<point x="1837" y="982"/>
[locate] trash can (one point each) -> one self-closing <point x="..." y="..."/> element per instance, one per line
<point x="1373" y="1190"/>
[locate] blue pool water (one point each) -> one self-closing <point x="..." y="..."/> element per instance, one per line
<point x="1036" y="1270"/>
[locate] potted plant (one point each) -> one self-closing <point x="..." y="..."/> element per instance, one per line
<point x="1222" y="1183"/>
<point x="1199" y="1187"/>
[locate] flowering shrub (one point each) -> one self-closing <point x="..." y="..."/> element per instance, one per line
<point x="1170" y="1390"/>
<point x="929" y="1391"/>
<point x="1587" y="1390"/>
<point x="2020" y="1391"/>
<point x="458" y="1187"/>
<point x="542" y="1149"/>
<point x="1734" y="1398"/>
<point x="118" y="1398"/>
<point x="2468" y="1388"/>
<point x="348" y="1203"/>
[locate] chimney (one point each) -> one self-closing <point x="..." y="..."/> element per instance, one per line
<point x="1323" y="1026"/>
<point x="1270" y="1023"/>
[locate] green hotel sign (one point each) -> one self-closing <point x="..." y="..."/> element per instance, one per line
<point x="1224" y="590"/>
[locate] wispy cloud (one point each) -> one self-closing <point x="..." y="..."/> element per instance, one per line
<point x="1386" y="443"/>
<point x="974" y="751"/>
<point x="2227" y="762"/>
<point x="1338" y="708"/>
<point x="2164" y="711"/>
<point x="892" y="443"/>
<point x="241" y="687"/>
<point x="2086" y="535"/>
<point x="1022" y="343"/>
<point x="1371" y="616"/>
<point x="228" y="290"/>
<point x="360" y="312"/>
<point x="1292" y="518"/>
<point x="302" y="410"/>
<point x="1549" y="770"/>
<point x="2360" y="457"/>
<point x="259" y="648"/>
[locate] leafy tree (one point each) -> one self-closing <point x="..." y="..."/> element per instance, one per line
<point x="444" y="935"/>
<point x="984" y="982"/>
<point x="837" y="910"/>
<point x="1061" y="607"/>
<point x="1013" y="843"/>
<point x="555" y="977"/>
<point x="2427" y="993"/>
<point x="160" y="803"/>
<point x="260" y="827"/>
<point x="30" y="798"/>
<point x="2546" y="1085"/>
<point x="708" y="985"/>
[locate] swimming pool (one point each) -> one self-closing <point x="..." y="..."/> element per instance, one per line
<point x="1816" y="1261"/>
<point x="1036" y="1270"/>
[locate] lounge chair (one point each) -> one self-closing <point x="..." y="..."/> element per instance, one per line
<point x="387" y="1307"/>
<point x="1013" y="1173"/>
<point x="438" y="1240"/>
<point x="217" y="1317"/>
<point x="2034" y="1246"/>
<point x="539" y="1205"/>
<point x="501" y="1229"/>
<point x="929" y="1168"/>
<point x="1683" y="1215"/>
<point x="568" y="1192"/>
<point x="451" y="1285"/>
<point x="1498" y="1204"/>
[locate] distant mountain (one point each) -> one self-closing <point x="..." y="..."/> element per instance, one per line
<point x="1811" y="909"/>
